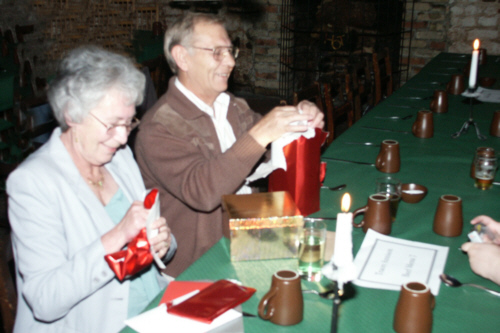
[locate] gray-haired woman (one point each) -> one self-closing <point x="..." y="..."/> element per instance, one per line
<point x="78" y="198"/>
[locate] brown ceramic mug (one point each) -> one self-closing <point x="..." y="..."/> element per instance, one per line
<point x="495" y="124"/>
<point x="439" y="102"/>
<point x="483" y="56"/>
<point x="413" y="312"/>
<point x="456" y="86"/>
<point x="423" y="127"/>
<point x="480" y="151"/>
<point x="388" y="159"/>
<point x="283" y="303"/>
<point x="448" y="220"/>
<point x="377" y="214"/>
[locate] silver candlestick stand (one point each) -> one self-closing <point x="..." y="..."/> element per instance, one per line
<point x="471" y="95"/>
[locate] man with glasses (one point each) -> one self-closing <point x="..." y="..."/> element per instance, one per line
<point x="199" y="142"/>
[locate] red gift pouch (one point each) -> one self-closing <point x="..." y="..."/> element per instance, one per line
<point x="212" y="301"/>
<point x="304" y="173"/>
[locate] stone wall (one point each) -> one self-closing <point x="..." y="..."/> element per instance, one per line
<point x="438" y="25"/>
<point x="451" y="26"/>
<point x="254" y="24"/>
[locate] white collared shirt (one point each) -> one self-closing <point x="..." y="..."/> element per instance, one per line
<point x="218" y="114"/>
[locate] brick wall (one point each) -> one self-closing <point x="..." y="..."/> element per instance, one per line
<point x="451" y="26"/>
<point x="255" y="24"/>
<point x="438" y="25"/>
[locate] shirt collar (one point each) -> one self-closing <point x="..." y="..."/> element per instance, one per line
<point x="221" y="101"/>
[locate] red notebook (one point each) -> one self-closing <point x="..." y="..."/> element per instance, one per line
<point x="210" y="302"/>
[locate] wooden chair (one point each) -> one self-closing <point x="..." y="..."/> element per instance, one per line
<point x="359" y="87"/>
<point x="382" y="74"/>
<point x="311" y="93"/>
<point x="344" y="110"/>
<point x="21" y="31"/>
<point x="8" y="294"/>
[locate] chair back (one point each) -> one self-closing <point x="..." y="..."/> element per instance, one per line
<point x="360" y="87"/>
<point x="343" y="109"/>
<point x="382" y="73"/>
<point x="8" y="294"/>
<point x="311" y="93"/>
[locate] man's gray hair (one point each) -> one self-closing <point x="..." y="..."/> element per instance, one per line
<point x="181" y="32"/>
<point x="85" y="76"/>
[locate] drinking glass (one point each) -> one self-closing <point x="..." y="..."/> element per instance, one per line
<point x="485" y="169"/>
<point x="312" y="250"/>
<point x="391" y="188"/>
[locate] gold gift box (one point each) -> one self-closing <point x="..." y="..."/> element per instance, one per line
<point x="262" y="225"/>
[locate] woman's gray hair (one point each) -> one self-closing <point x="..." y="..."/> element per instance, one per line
<point x="181" y="32"/>
<point x="85" y="76"/>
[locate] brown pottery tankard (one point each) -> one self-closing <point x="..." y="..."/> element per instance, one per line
<point x="439" y="102"/>
<point x="413" y="312"/>
<point x="388" y="159"/>
<point x="377" y="214"/>
<point x="456" y="86"/>
<point x="283" y="303"/>
<point x="423" y="127"/>
<point x="448" y="220"/>
<point x="495" y="124"/>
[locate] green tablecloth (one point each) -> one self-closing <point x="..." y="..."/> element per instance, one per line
<point x="441" y="163"/>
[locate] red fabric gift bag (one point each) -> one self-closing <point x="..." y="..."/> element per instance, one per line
<point x="304" y="173"/>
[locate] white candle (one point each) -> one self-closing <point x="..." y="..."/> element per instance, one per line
<point x="342" y="254"/>
<point x="473" y="65"/>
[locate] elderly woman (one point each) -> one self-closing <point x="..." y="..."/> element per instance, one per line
<point x="78" y="198"/>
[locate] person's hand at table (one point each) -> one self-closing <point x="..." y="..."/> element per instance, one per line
<point x="161" y="242"/>
<point x="484" y="259"/>
<point x="284" y="119"/>
<point x="491" y="224"/>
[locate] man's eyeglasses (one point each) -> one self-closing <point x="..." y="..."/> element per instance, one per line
<point x="111" y="129"/>
<point x="219" y="51"/>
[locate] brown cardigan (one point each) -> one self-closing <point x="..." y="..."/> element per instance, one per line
<point x="178" y="152"/>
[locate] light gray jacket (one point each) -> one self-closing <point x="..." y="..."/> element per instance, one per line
<point x="64" y="284"/>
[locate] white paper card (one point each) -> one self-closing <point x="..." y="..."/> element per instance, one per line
<point x="159" y="320"/>
<point x="154" y="214"/>
<point x="484" y="95"/>
<point x="385" y="262"/>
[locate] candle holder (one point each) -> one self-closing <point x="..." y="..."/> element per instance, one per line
<point x="335" y="307"/>
<point x="471" y="95"/>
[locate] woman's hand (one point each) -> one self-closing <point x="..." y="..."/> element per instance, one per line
<point x="161" y="242"/>
<point x="131" y="224"/>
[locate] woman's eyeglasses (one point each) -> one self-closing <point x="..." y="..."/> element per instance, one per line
<point x="111" y="129"/>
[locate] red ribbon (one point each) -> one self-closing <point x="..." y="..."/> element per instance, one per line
<point x="150" y="198"/>
<point x="132" y="260"/>
<point x="137" y="255"/>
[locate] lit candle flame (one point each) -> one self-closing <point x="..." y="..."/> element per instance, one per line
<point x="346" y="202"/>
<point x="476" y="44"/>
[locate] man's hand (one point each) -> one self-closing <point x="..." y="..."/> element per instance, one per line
<point x="283" y="119"/>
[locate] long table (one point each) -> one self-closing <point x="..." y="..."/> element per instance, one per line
<point x="440" y="163"/>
